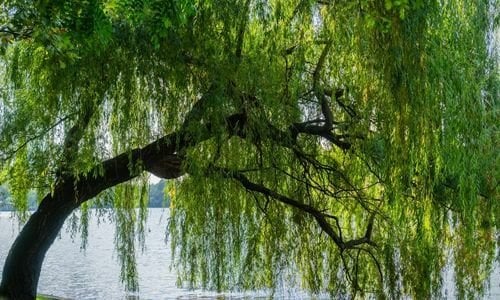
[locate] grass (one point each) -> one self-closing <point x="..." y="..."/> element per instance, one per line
<point x="47" y="297"/>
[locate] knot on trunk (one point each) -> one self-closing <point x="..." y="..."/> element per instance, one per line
<point x="167" y="166"/>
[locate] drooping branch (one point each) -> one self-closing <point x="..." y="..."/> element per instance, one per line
<point x="319" y="216"/>
<point x="76" y="133"/>
<point x="8" y="155"/>
<point x="241" y="32"/>
<point x="325" y="106"/>
<point x="337" y="96"/>
<point x="164" y="158"/>
<point x="16" y="34"/>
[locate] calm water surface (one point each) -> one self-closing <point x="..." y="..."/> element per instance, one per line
<point x="94" y="273"/>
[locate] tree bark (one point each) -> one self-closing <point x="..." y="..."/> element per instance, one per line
<point x="24" y="262"/>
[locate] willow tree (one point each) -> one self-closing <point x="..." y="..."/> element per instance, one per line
<point x="344" y="146"/>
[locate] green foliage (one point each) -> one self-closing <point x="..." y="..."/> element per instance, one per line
<point x="412" y="87"/>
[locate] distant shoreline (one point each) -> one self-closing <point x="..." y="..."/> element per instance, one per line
<point x="92" y="208"/>
<point x="157" y="198"/>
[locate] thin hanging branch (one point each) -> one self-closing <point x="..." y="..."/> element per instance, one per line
<point x="319" y="216"/>
<point x="10" y="154"/>
<point x="325" y="106"/>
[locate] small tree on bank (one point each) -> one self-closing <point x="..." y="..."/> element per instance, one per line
<point x="350" y="142"/>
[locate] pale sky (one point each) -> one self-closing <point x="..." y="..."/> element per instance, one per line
<point x="153" y="179"/>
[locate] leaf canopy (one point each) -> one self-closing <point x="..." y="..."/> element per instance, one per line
<point x="366" y="162"/>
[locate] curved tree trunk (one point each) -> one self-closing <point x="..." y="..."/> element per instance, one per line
<point x="24" y="262"/>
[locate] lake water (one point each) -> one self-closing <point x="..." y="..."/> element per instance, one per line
<point x="94" y="274"/>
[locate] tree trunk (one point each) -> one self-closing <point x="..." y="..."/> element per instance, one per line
<point x="24" y="262"/>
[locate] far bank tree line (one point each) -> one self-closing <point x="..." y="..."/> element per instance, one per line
<point x="157" y="197"/>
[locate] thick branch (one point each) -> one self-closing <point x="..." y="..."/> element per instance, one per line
<point x="160" y="158"/>
<point x="322" y="131"/>
<point x="16" y="34"/>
